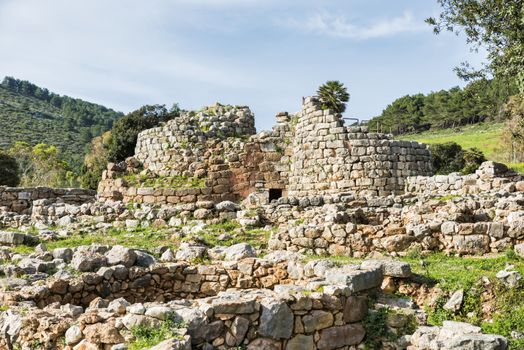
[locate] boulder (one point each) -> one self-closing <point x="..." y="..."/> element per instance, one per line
<point x="239" y="251"/>
<point x="102" y="333"/>
<point x="119" y="255"/>
<point x="356" y="280"/>
<point x="301" y="342"/>
<point x="519" y="250"/>
<point x="87" y="262"/>
<point x="338" y="337"/>
<point x="13" y="238"/>
<point x="73" y="335"/>
<point x="389" y="267"/>
<point x="226" y="206"/>
<point x="276" y="319"/>
<point x="455" y="301"/>
<point x="189" y="252"/>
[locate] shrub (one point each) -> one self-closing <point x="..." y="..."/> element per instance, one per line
<point x="8" y="171"/>
<point x="333" y="95"/>
<point x="449" y="157"/>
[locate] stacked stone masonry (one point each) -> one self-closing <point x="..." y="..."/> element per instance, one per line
<point x="20" y="200"/>
<point x="329" y="157"/>
<point x="310" y="153"/>
<point x="294" y="306"/>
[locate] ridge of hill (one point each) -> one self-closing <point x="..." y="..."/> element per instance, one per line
<point x="35" y="115"/>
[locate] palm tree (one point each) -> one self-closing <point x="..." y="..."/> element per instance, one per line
<point x="333" y="95"/>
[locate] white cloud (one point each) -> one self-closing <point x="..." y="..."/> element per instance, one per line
<point x="339" y="26"/>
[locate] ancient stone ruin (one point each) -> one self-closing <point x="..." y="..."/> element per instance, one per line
<point x="201" y="186"/>
<point x="307" y="154"/>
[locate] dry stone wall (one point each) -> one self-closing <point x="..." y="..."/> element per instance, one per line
<point x="20" y="200"/>
<point x="490" y="176"/>
<point x="329" y="157"/>
<point x="276" y="302"/>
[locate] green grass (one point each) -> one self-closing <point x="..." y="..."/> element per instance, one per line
<point x="454" y="273"/>
<point x="256" y="237"/>
<point x="146" y="337"/>
<point x="451" y="273"/>
<point x="485" y="137"/>
<point x="143" y="238"/>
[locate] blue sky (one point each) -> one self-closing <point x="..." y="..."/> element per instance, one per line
<point x="266" y="54"/>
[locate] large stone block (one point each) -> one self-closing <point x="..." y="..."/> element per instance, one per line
<point x="337" y="337"/>
<point x="356" y="280"/>
<point x="276" y="319"/>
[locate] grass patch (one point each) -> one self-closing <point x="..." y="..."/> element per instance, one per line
<point x="518" y="167"/>
<point x="146" y="337"/>
<point x="454" y="273"/>
<point x="142" y="238"/>
<point x="484" y="136"/>
<point x="256" y="237"/>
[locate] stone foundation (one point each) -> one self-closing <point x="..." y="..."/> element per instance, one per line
<point x="20" y="200"/>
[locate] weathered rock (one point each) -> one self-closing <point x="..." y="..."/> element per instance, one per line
<point x="317" y="320"/>
<point x="455" y="301"/>
<point x="276" y="319"/>
<point x="337" y="337"/>
<point x="190" y="252"/>
<point x="510" y="279"/>
<point x="86" y="260"/>
<point x="355" y="309"/>
<point x="519" y="250"/>
<point x="301" y="342"/>
<point x="119" y="255"/>
<point x="102" y="333"/>
<point x="239" y="251"/>
<point x="389" y="267"/>
<point x="12" y="238"/>
<point x="356" y="280"/>
<point x="73" y="335"/>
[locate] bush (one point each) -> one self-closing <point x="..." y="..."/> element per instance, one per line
<point x="449" y="157"/>
<point x="8" y="171"/>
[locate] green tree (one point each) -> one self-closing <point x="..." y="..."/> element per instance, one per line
<point x="8" y="171"/>
<point x="333" y="95"/>
<point x="495" y="25"/>
<point x="41" y="165"/>
<point x="95" y="162"/>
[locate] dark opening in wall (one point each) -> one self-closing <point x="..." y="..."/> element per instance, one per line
<point x="274" y="193"/>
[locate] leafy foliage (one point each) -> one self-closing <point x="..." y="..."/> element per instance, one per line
<point x="479" y="101"/>
<point x="513" y="136"/>
<point x="41" y="165"/>
<point x="450" y="157"/>
<point x="95" y="162"/>
<point x="34" y="115"/>
<point x="8" y="170"/>
<point x="333" y="95"/>
<point x="125" y="131"/>
<point x="148" y="336"/>
<point x="495" y="25"/>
